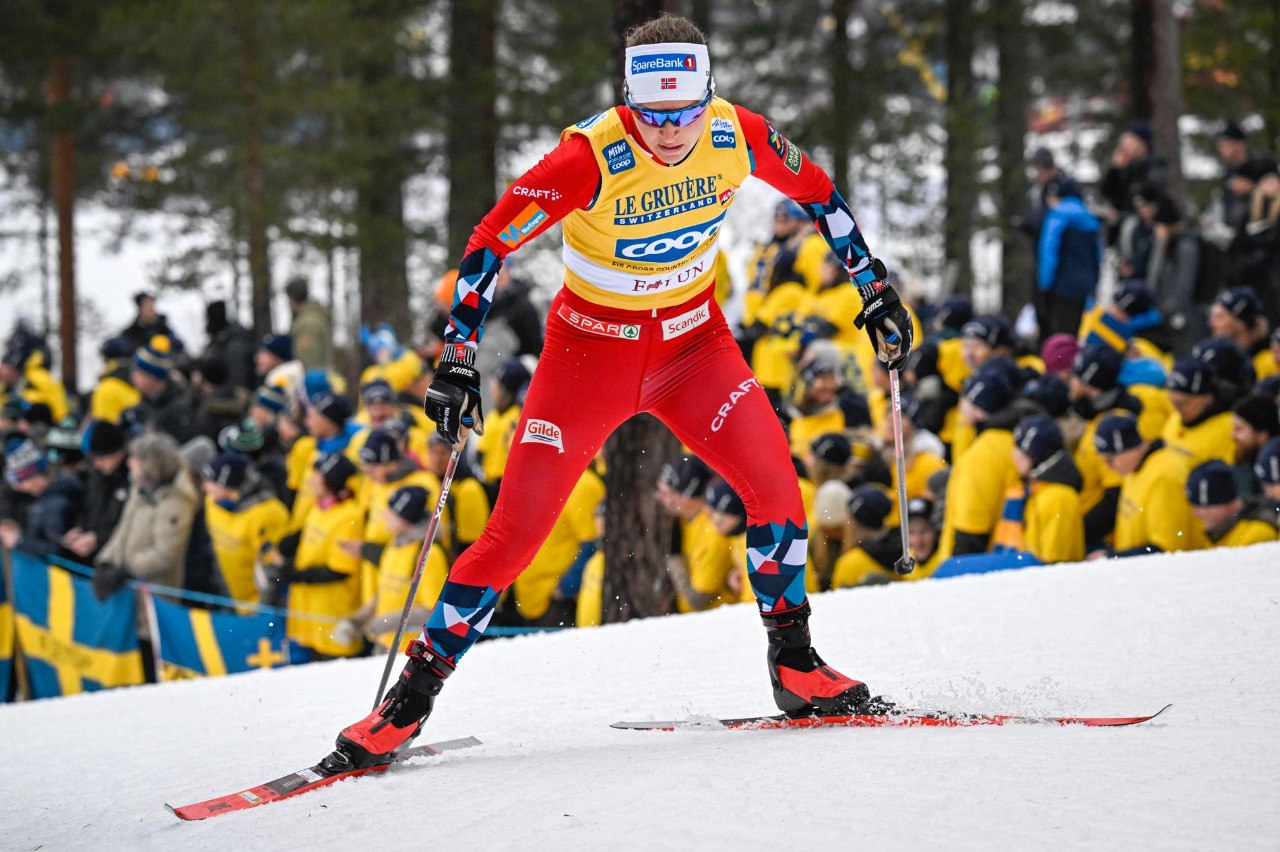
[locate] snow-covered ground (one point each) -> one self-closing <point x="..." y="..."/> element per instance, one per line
<point x="1198" y="630"/>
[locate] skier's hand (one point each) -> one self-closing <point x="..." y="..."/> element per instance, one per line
<point x="453" y="400"/>
<point x="886" y="322"/>
<point x="346" y="632"/>
<point x="107" y="580"/>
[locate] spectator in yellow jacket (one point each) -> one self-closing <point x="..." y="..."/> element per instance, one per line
<point x="324" y="580"/>
<point x="468" y="504"/>
<point x="729" y="516"/>
<point x="923" y="537"/>
<point x="981" y="477"/>
<point x="113" y="395"/>
<point x="494" y="444"/>
<point x="24" y="372"/>
<point x="870" y="561"/>
<point x="405" y="515"/>
<point x="546" y="592"/>
<point x="699" y="564"/>
<point x="1043" y="516"/>
<point x="1153" y="514"/>
<point x="329" y="432"/>
<point x="1226" y="520"/>
<point x="1255" y="420"/>
<point x="1237" y="315"/>
<point x="244" y="519"/>
<point x="1201" y="426"/>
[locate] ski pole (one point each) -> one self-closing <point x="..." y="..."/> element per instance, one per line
<point x="906" y="564"/>
<point x="417" y="573"/>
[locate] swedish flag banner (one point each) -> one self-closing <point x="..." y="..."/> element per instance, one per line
<point x="196" y="642"/>
<point x="6" y="642"/>
<point x="70" y="641"/>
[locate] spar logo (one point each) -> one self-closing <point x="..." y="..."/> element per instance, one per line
<point x="668" y="247"/>
<point x="664" y="62"/>
<point x="523" y="225"/>
<point x="618" y="157"/>
<point x="543" y="432"/>
<point x="625" y="331"/>
<point x="722" y="133"/>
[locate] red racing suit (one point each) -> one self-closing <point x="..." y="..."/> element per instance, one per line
<point x="610" y="354"/>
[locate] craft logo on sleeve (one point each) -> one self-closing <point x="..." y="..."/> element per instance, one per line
<point x="668" y="247"/>
<point x="618" y="156"/>
<point x="664" y="62"/>
<point x="676" y="326"/>
<point x="530" y="192"/>
<point x="523" y="225"/>
<point x="543" y="432"/>
<point x="722" y="133"/>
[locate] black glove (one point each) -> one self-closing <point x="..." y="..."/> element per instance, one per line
<point x="453" y="400"/>
<point x="107" y="580"/>
<point x="885" y="319"/>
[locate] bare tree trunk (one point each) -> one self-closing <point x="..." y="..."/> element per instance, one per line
<point x="960" y="156"/>
<point x="255" y="211"/>
<point x="1011" y="116"/>
<point x="627" y="14"/>
<point x="635" y="527"/>
<point x="64" y="200"/>
<point x="841" y="74"/>
<point x="1142" y="56"/>
<point x="1166" y="95"/>
<point x="472" y="145"/>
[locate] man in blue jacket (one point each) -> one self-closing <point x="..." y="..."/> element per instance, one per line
<point x="1069" y="256"/>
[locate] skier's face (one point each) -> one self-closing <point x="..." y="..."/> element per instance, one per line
<point x="669" y="143"/>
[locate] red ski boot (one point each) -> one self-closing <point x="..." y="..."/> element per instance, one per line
<point x="377" y="737"/>
<point x="803" y="685"/>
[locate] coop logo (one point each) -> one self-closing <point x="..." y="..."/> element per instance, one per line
<point x="523" y="225"/>
<point x="722" y="133"/>
<point x="664" y="62"/>
<point x="618" y="157"/>
<point x="676" y="326"/>
<point x="668" y="247"/>
<point x="725" y="409"/>
<point x="595" y="326"/>
<point x="542" y="432"/>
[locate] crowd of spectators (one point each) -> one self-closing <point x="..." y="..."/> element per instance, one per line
<point x="1146" y="421"/>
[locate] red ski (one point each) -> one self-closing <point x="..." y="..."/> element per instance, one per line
<point x="302" y="781"/>
<point x="885" y="720"/>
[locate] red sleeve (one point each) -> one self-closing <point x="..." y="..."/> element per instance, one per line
<point x="564" y="180"/>
<point x="804" y="184"/>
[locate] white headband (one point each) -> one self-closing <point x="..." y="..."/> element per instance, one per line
<point x="674" y="71"/>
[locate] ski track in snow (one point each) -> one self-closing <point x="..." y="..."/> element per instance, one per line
<point x="1198" y="630"/>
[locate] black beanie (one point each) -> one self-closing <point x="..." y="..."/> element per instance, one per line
<point x="1260" y="413"/>
<point x="102" y="438"/>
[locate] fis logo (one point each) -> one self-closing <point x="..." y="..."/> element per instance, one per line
<point x="523" y="225"/>
<point x="588" y="123"/>
<point x="668" y="247"/>
<point x="722" y="133"/>
<point x="618" y="157"/>
<point x="664" y="62"/>
<point x="543" y="432"/>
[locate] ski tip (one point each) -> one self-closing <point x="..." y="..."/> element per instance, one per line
<point x="1158" y="712"/>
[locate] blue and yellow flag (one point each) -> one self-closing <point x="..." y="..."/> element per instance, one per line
<point x="70" y="641"/>
<point x="6" y="643"/>
<point x="197" y="642"/>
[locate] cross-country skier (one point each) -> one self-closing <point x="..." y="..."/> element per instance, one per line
<point x="642" y="190"/>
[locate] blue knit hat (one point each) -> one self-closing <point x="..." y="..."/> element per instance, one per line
<point x="230" y="470"/>
<point x="1098" y="366"/>
<point x="410" y="503"/>
<point x="1211" y="484"/>
<point x="271" y="398"/>
<point x="380" y="447"/>
<point x="991" y="330"/>
<point x="989" y="388"/>
<point x="1117" y="433"/>
<point x="279" y="345"/>
<point x="23" y="460"/>
<point x="1191" y="376"/>
<point x="1134" y="297"/>
<point x="1242" y="303"/>
<point x="1226" y="360"/>
<point x="869" y="506"/>
<point x="377" y="390"/>
<point x="155" y="359"/>
<point x="1039" y="437"/>
<point x="1267" y="465"/>
<point x="333" y="408"/>
<point x="1049" y="392"/>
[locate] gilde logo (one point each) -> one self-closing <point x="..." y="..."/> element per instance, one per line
<point x="543" y="432"/>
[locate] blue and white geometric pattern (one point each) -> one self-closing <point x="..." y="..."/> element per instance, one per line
<point x="776" y="556"/>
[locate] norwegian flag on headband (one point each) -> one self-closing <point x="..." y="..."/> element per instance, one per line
<point x="668" y="82"/>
